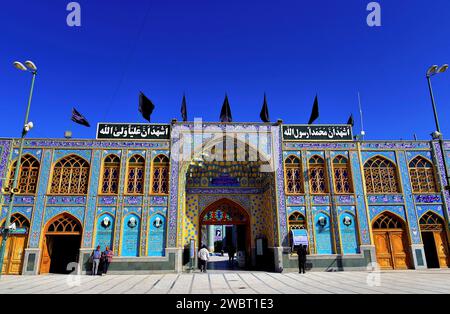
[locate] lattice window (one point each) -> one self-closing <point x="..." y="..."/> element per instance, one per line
<point x="160" y="176"/>
<point x="317" y="175"/>
<point x="422" y="176"/>
<point x="111" y="174"/>
<point x="28" y="175"/>
<point x="20" y="221"/>
<point x="342" y="175"/>
<point x="388" y="221"/>
<point x="64" y="224"/>
<point x="135" y="175"/>
<point x="293" y="175"/>
<point x="297" y="221"/>
<point x="431" y="222"/>
<point x="381" y="176"/>
<point x="70" y="176"/>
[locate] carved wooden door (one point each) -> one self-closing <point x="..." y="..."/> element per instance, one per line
<point x="383" y="249"/>
<point x="5" y="266"/>
<point x="442" y="248"/>
<point x="399" y="249"/>
<point x="45" y="260"/>
<point x="13" y="261"/>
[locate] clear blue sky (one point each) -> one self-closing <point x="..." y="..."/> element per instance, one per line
<point x="290" y="49"/>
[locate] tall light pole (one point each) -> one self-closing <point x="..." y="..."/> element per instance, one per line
<point x="15" y="189"/>
<point x="432" y="71"/>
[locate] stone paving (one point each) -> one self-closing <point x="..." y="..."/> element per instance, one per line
<point x="223" y="282"/>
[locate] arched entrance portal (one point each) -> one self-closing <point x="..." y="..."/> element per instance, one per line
<point x="434" y="240"/>
<point x="391" y="242"/>
<point x="15" y="246"/>
<point x="61" y="244"/>
<point x="232" y="222"/>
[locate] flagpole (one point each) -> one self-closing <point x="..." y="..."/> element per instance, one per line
<point x="363" y="133"/>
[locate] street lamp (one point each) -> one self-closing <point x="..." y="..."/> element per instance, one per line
<point x="14" y="189"/>
<point x="437" y="135"/>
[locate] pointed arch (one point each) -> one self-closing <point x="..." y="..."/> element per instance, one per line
<point x="110" y="175"/>
<point x="388" y="220"/>
<point x="293" y="174"/>
<point x="160" y="175"/>
<point x="318" y="181"/>
<point x="28" y="175"/>
<point x="65" y="224"/>
<point x="422" y="175"/>
<point x="297" y="220"/>
<point x="431" y="221"/>
<point x="342" y="175"/>
<point x="70" y="176"/>
<point x="381" y="176"/>
<point x="135" y="175"/>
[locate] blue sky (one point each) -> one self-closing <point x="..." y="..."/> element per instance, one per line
<point x="290" y="49"/>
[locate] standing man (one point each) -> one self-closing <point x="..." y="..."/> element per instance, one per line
<point x="203" y="255"/>
<point x="96" y="255"/>
<point x="301" y="252"/>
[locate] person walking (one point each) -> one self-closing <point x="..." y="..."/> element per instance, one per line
<point x="301" y="252"/>
<point x="107" y="257"/>
<point x="96" y="256"/>
<point x="231" y="252"/>
<point x="203" y="255"/>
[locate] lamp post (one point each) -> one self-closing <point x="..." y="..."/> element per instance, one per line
<point x="432" y="71"/>
<point x="28" y="125"/>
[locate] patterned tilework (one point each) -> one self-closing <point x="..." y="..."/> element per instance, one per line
<point x="25" y="211"/>
<point x="88" y="229"/>
<point x="36" y="224"/>
<point x="409" y="202"/>
<point x="4" y="154"/>
<point x="441" y="168"/>
<point x="422" y="209"/>
<point x="376" y="210"/>
<point x="362" y="218"/>
<point x="52" y="212"/>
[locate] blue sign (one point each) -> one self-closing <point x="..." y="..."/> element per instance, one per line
<point x="130" y="237"/>
<point x="299" y="237"/>
<point x="105" y="231"/>
<point x="156" y="236"/>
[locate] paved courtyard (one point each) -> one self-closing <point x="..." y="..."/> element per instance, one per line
<point x="219" y="282"/>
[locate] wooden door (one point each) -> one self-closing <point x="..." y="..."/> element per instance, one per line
<point x="442" y="248"/>
<point x="45" y="260"/>
<point x="14" y="254"/>
<point x="399" y="249"/>
<point x="383" y="249"/>
<point x="6" y="259"/>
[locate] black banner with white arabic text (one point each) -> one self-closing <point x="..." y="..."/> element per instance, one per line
<point x="317" y="133"/>
<point x="122" y="131"/>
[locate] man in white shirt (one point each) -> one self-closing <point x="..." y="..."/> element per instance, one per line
<point x="203" y="256"/>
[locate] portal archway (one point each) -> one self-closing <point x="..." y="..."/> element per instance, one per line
<point x="235" y="222"/>
<point x="15" y="245"/>
<point x="391" y="241"/>
<point x="434" y="239"/>
<point x="61" y="244"/>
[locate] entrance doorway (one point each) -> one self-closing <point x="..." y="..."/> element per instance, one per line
<point x="391" y="242"/>
<point x="61" y="245"/>
<point x="434" y="240"/>
<point x="233" y="222"/>
<point x="15" y="246"/>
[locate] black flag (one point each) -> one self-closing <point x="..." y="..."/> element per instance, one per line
<point x="79" y="118"/>
<point x="264" y="115"/>
<point x="146" y="106"/>
<point x="184" y="109"/>
<point x="315" y="111"/>
<point x="351" y="121"/>
<point x="225" y="113"/>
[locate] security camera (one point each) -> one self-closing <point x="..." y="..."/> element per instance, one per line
<point x="15" y="191"/>
<point x="28" y="126"/>
<point x="436" y="135"/>
<point x="6" y="190"/>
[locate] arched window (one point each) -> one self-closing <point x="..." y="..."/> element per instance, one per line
<point x="342" y="175"/>
<point x="317" y="175"/>
<point x="431" y="222"/>
<point x="135" y="175"/>
<point x="387" y="221"/>
<point x="111" y="174"/>
<point x="160" y="175"/>
<point x="64" y="224"/>
<point x="381" y="176"/>
<point x="70" y="176"/>
<point x="297" y="221"/>
<point x="28" y="175"/>
<point x="422" y="176"/>
<point x="20" y="221"/>
<point x="293" y="175"/>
